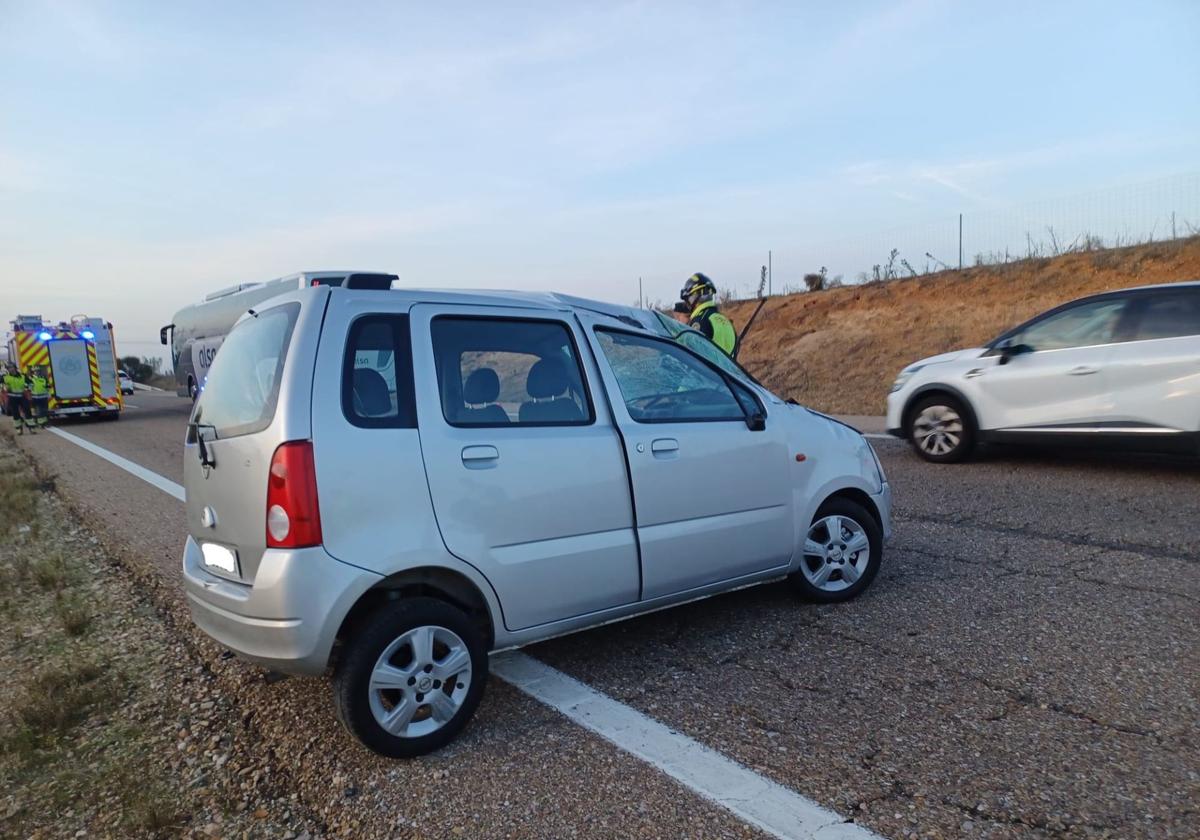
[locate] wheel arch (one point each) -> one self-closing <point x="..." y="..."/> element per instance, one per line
<point x="859" y="497"/>
<point x="934" y="389"/>
<point x="436" y="582"/>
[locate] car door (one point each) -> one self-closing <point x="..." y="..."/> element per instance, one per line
<point x="1155" y="377"/>
<point x="713" y="497"/>
<point x="524" y="467"/>
<point x="1059" y="378"/>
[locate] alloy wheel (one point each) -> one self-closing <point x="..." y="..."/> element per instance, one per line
<point x="938" y="430"/>
<point x="836" y="553"/>
<point x="420" y="681"/>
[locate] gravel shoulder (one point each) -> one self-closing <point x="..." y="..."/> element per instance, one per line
<point x="110" y="725"/>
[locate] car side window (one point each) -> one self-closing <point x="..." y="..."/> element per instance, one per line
<point x="1085" y="325"/>
<point x="661" y="382"/>
<point x="508" y="371"/>
<point x="1170" y="315"/>
<point x="377" y="384"/>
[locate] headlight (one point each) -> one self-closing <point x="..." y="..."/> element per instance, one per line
<point x="904" y="376"/>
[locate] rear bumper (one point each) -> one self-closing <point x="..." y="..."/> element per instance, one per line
<point x="288" y="618"/>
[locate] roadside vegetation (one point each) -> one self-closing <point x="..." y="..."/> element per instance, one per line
<point x="108" y="726"/>
<point x="838" y="350"/>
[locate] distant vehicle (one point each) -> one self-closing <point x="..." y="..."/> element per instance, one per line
<point x="126" y="382"/>
<point x="427" y="476"/>
<point x="196" y="332"/>
<point x="1115" y="369"/>
<point x="80" y="359"/>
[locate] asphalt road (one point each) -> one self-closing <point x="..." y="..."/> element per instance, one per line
<point x="1027" y="664"/>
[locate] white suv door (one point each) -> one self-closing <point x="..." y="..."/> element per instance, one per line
<point x="1058" y="378"/>
<point x="714" y="497"/>
<point x="1155" y="377"/>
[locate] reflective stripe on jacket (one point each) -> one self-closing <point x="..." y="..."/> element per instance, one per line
<point x="715" y="326"/>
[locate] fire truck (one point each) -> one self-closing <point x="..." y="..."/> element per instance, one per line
<point x="79" y="360"/>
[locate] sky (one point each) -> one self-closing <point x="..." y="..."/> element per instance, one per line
<point x="153" y="152"/>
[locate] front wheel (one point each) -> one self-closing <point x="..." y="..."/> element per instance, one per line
<point x="941" y="430"/>
<point x="842" y="552"/>
<point x="411" y="678"/>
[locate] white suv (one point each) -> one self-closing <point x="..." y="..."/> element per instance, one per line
<point x="1117" y="368"/>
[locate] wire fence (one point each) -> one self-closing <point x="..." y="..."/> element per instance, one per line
<point x="1163" y="209"/>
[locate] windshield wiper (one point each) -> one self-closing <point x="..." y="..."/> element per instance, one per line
<point x="206" y="458"/>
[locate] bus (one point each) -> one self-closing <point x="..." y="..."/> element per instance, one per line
<point x="196" y="332"/>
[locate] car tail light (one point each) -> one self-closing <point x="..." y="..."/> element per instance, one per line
<point x="293" y="515"/>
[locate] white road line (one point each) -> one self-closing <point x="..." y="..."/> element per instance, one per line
<point x="166" y="485"/>
<point x="754" y="799"/>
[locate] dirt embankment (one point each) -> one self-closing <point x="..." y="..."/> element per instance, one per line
<point x="839" y="350"/>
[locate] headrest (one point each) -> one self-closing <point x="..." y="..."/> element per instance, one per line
<point x="482" y="386"/>
<point x="371" y="393"/>
<point x="547" y="378"/>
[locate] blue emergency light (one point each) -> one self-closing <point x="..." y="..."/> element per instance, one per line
<point x="44" y="336"/>
<point x="88" y="334"/>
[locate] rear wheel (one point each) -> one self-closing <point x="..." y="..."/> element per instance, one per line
<point x="411" y="678"/>
<point x="842" y="552"/>
<point x="941" y="429"/>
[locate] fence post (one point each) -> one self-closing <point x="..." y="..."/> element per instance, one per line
<point x="960" y="241"/>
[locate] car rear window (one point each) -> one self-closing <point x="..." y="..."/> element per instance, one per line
<point x="242" y="386"/>
<point x="1170" y="315"/>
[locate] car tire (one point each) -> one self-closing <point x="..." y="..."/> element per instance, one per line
<point x="833" y="568"/>
<point x="941" y="429"/>
<point x="382" y="677"/>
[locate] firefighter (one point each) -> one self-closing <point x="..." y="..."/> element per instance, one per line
<point x="18" y="405"/>
<point x="39" y="397"/>
<point x="697" y="297"/>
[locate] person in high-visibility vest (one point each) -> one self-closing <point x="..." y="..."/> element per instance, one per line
<point x="18" y="407"/>
<point x="698" y="295"/>
<point x="39" y="397"/>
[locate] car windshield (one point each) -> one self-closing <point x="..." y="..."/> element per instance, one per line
<point x="695" y="341"/>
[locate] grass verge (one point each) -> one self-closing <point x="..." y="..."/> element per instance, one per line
<point x="108" y="726"/>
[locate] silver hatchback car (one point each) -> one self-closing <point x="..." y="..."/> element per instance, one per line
<point x="396" y="482"/>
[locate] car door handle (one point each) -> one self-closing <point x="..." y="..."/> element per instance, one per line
<point x="972" y="373"/>
<point x="664" y="445"/>
<point x="1082" y="370"/>
<point x="479" y="454"/>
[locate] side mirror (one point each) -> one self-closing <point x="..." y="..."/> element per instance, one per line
<point x="756" y="422"/>
<point x="1009" y="348"/>
<point x="162" y="334"/>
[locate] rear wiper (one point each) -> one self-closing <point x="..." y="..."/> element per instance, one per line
<point x="206" y="458"/>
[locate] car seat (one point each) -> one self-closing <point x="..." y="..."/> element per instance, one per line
<point x="547" y="385"/>
<point x="480" y="392"/>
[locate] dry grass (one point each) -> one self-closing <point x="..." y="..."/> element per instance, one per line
<point x="73" y="613"/>
<point x="839" y="350"/>
<point x="62" y="695"/>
